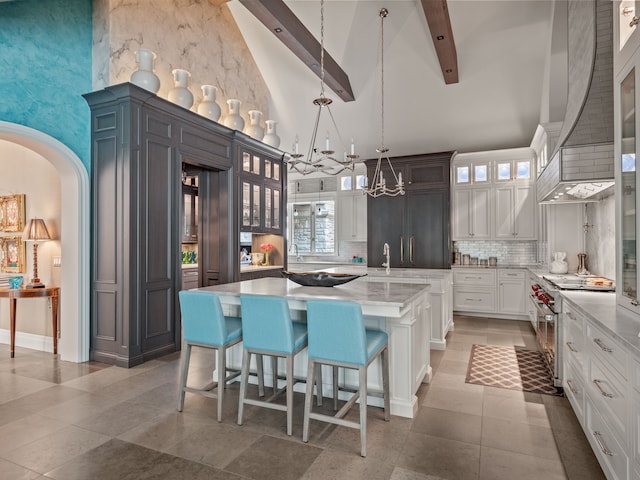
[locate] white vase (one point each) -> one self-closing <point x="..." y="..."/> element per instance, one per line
<point x="208" y="106"/>
<point x="254" y="130"/>
<point x="271" y="137"/>
<point x="180" y="93"/>
<point x="233" y="119"/>
<point x="144" y="76"/>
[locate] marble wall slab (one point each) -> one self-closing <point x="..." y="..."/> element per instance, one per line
<point x="600" y="238"/>
<point x="196" y="35"/>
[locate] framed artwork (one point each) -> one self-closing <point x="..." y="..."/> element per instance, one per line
<point x="13" y="253"/>
<point x="12" y="216"/>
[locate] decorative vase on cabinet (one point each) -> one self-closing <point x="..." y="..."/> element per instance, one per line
<point x="271" y="137"/>
<point x="208" y="107"/>
<point x="180" y="93"/>
<point x="144" y="76"/>
<point x="233" y="119"/>
<point x="254" y="130"/>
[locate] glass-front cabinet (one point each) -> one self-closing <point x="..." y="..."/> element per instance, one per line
<point x="626" y="123"/>
<point x="261" y="193"/>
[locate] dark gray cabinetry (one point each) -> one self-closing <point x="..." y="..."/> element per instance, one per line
<point x="139" y="143"/>
<point x="415" y="225"/>
<point x="261" y="181"/>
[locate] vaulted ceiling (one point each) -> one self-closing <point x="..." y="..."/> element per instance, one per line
<point x="501" y="49"/>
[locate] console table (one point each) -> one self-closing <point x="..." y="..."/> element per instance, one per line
<point x="48" y="292"/>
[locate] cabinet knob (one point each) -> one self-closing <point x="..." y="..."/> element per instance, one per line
<point x="634" y="21"/>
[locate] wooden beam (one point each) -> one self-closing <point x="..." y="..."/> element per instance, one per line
<point x="439" y="23"/>
<point x="281" y="21"/>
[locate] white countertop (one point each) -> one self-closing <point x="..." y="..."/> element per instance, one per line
<point x="359" y="290"/>
<point x="601" y="308"/>
<point x="189" y="265"/>
<point x="358" y="269"/>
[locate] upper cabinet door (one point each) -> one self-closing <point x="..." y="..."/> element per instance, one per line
<point x="626" y="36"/>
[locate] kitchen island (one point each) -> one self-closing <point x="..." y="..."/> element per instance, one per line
<point x="403" y="311"/>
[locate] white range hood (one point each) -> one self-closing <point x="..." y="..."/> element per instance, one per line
<point x="582" y="165"/>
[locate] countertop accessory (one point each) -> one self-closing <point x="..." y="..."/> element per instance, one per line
<point x="493" y="261"/>
<point x="582" y="264"/>
<point x="465" y="259"/>
<point x="208" y="107"/>
<point x="473" y="261"/>
<point x="319" y="279"/>
<point x="180" y="93"/>
<point x="144" y="76"/>
<point x="559" y="264"/>
<point x="484" y="262"/>
<point x="36" y="230"/>
<point x="271" y="137"/>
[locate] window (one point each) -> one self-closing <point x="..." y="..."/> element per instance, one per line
<point x="313" y="226"/>
<point x="346" y="182"/>
<point x="462" y="174"/>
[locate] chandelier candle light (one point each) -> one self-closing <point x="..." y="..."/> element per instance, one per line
<point x="323" y="161"/>
<point x="378" y="184"/>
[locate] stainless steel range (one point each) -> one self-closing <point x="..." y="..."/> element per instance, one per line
<point x="547" y="305"/>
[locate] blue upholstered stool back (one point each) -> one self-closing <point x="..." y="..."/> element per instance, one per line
<point x="202" y="318"/>
<point x="266" y="324"/>
<point x="336" y="331"/>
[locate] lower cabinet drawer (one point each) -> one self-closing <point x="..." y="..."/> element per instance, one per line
<point x="607" y="448"/>
<point x="607" y="349"/>
<point x="572" y="382"/>
<point x="573" y="343"/>
<point x="471" y="276"/>
<point x="635" y="420"/>
<point x="471" y="300"/>
<point x="609" y="392"/>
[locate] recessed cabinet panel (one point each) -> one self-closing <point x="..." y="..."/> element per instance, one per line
<point x="255" y="206"/>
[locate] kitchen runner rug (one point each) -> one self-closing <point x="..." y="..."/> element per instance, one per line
<point x="512" y="368"/>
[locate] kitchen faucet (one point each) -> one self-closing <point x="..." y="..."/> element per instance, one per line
<point x="385" y="252"/>
<point x="294" y="247"/>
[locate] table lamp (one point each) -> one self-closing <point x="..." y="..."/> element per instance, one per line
<point x="34" y="231"/>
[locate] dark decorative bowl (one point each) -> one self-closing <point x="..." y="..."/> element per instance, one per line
<point x="319" y="279"/>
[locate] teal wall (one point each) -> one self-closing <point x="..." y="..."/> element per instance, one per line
<point x="45" y="67"/>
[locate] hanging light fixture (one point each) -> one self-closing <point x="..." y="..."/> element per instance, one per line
<point x="324" y="161"/>
<point x="377" y="186"/>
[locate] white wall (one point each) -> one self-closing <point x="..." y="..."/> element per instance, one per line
<point x="24" y="171"/>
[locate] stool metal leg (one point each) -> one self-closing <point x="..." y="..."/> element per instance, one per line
<point x="222" y="378"/>
<point x="260" y="370"/>
<point x="246" y="357"/>
<point x="274" y="370"/>
<point x="385" y="384"/>
<point x="363" y="411"/>
<point x="290" y="394"/>
<point x="184" y="370"/>
<point x="335" y="388"/>
<point x="308" y="399"/>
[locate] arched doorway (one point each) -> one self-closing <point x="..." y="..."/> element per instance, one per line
<point x="73" y="344"/>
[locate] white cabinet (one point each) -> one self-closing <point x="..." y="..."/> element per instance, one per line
<point x="440" y="298"/>
<point x="602" y="384"/>
<point x="352" y="217"/>
<point x="512" y="291"/>
<point x="494" y="195"/>
<point x="474" y="290"/>
<point x="626" y="125"/>
<point x="515" y="212"/>
<point x="472" y="213"/>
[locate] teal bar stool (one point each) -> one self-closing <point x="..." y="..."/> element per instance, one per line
<point x="337" y="337"/>
<point x="205" y="325"/>
<point x="268" y="330"/>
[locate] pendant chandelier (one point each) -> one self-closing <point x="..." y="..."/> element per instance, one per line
<point x="377" y="186"/>
<point x="323" y="161"/>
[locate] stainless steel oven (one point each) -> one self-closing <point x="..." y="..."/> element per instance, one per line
<point x="543" y="297"/>
<point x="547" y="304"/>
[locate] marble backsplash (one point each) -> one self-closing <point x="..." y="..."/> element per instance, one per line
<point x="600" y="238"/>
<point x="196" y="35"/>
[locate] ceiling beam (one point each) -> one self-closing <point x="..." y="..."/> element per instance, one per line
<point x="282" y="22"/>
<point x="439" y="23"/>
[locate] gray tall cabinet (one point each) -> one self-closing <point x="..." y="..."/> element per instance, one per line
<point x="139" y="144"/>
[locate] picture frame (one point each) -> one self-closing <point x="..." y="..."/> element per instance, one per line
<point x="12" y="213"/>
<point x="13" y="255"/>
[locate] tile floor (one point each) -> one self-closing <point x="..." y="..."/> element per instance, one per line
<point x="92" y="421"/>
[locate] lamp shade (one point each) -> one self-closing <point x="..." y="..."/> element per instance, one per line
<point x="36" y="230"/>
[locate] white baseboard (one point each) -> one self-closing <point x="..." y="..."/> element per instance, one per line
<point x="28" y="340"/>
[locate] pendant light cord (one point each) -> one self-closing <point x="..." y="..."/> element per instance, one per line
<point x="383" y="14"/>
<point x="322" y="48"/>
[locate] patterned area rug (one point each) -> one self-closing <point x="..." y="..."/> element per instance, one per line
<point x="512" y="368"/>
